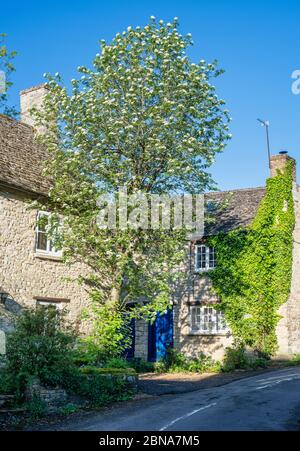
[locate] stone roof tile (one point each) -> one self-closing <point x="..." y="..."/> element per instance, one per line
<point x="21" y="157"/>
<point x="240" y="207"/>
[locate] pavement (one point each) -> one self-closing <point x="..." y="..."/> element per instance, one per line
<point x="269" y="401"/>
<point x="174" y="383"/>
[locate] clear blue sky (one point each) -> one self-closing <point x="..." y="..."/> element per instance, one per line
<point x="257" y="43"/>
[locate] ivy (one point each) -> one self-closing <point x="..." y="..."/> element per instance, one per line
<point x="253" y="275"/>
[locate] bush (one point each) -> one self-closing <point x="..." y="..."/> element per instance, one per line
<point x="36" y="408"/>
<point x="138" y="364"/>
<point x="175" y="362"/>
<point x="100" y="390"/>
<point x="94" y="370"/>
<point x="87" y="353"/>
<point x="68" y="409"/>
<point x="40" y="347"/>
<point x="142" y="366"/>
<point x="117" y="362"/>
<point x="7" y="382"/>
<point x="112" y="331"/>
<point x="294" y="361"/>
<point x="235" y="358"/>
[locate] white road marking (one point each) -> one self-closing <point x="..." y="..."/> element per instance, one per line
<point x="278" y="377"/>
<point x="270" y="382"/>
<point x="188" y="415"/>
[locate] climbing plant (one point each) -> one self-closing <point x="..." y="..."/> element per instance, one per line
<point x="253" y="275"/>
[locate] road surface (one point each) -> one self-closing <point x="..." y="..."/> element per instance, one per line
<point x="269" y="401"/>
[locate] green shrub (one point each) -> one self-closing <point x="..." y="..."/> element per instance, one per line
<point x="117" y="362"/>
<point x="104" y="371"/>
<point x="235" y="358"/>
<point x="68" y="409"/>
<point x="101" y="390"/>
<point x="160" y="367"/>
<point x="141" y="365"/>
<point x="7" y="382"/>
<point x="87" y="353"/>
<point x="138" y="364"/>
<point x="260" y="362"/>
<point x="294" y="361"/>
<point x="112" y="332"/>
<point x="175" y="362"/>
<point x="40" y="347"/>
<point x="36" y="408"/>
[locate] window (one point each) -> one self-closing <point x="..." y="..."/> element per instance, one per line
<point x="44" y="304"/>
<point x="58" y="303"/>
<point x="207" y="320"/>
<point x="205" y="258"/>
<point x="43" y="245"/>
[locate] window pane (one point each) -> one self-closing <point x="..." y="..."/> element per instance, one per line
<point x="41" y="241"/>
<point x="42" y="222"/>
<point x="212" y="257"/>
<point x="207" y="320"/>
<point x="201" y="257"/>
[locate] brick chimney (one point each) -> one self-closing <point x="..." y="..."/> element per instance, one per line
<point x="278" y="163"/>
<point x="29" y="98"/>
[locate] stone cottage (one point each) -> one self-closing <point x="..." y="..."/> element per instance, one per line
<point x="32" y="273"/>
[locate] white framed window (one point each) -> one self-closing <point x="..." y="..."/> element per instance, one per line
<point x="52" y="304"/>
<point x="43" y="244"/>
<point x="57" y="303"/>
<point x="205" y="257"/>
<point x="204" y="319"/>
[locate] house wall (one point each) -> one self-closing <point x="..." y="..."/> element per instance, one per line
<point x="141" y="339"/>
<point x="288" y="329"/>
<point x="24" y="275"/>
<point x="192" y="290"/>
<point x="195" y="289"/>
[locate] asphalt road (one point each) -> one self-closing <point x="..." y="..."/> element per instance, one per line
<point x="268" y="401"/>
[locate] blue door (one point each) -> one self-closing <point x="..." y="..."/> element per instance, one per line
<point x="160" y="336"/>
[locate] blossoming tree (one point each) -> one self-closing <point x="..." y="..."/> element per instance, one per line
<point x="6" y="68"/>
<point x="145" y="118"/>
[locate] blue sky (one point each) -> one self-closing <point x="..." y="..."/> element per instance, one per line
<point x="255" y="42"/>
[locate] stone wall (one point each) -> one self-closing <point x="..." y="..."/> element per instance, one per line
<point x="195" y="289"/>
<point x="141" y="339"/>
<point x="288" y="329"/>
<point x="23" y="274"/>
<point x="52" y="399"/>
<point x="32" y="98"/>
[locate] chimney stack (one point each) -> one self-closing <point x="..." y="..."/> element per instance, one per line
<point x="29" y="98"/>
<point x="278" y="163"/>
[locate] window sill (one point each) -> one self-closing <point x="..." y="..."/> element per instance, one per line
<point x="203" y="271"/>
<point x="210" y="334"/>
<point x="45" y="256"/>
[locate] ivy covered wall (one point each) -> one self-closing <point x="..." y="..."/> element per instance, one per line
<point x="253" y="275"/>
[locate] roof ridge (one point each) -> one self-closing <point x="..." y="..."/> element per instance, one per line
<point x="258" y="188"/>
